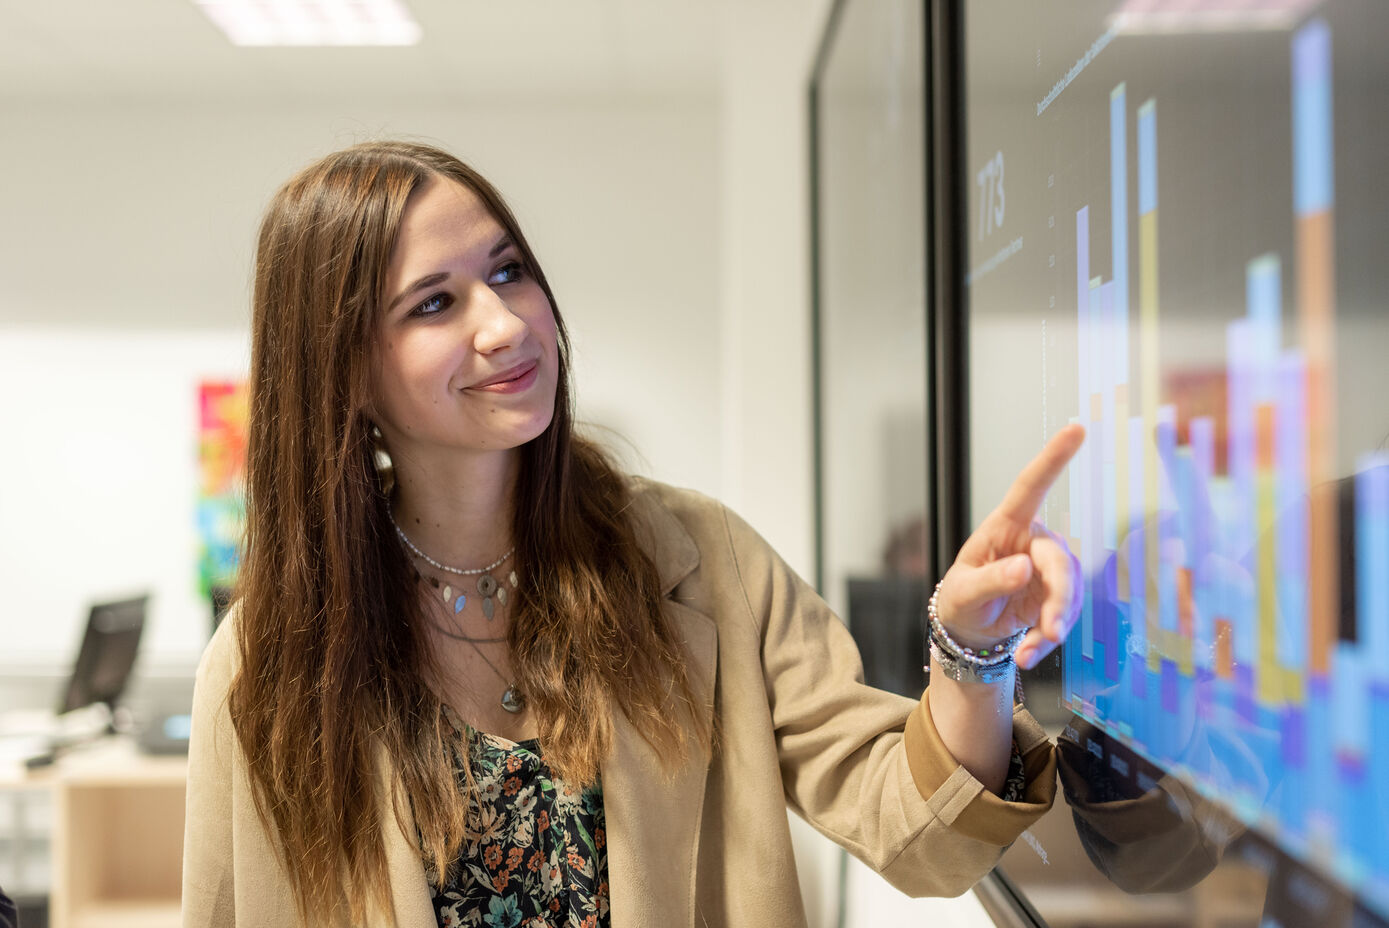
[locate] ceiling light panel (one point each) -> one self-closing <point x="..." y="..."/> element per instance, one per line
<point x="313" y="22"/>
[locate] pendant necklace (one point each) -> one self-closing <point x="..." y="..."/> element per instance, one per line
<point x="512" y="700"/>
<point x="487" y="587"/>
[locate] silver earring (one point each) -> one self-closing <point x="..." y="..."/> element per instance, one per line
<point x="381" y="460"/>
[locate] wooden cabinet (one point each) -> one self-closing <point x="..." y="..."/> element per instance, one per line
<point x="117" y="838"/>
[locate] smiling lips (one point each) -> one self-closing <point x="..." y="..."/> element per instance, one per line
<point x="513" y="380"/>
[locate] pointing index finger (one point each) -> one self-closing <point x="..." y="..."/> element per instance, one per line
<point x="1025" y="496"/>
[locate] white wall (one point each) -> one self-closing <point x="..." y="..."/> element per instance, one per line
<point x="674" y="231"/>
<point x="124" y="277"/>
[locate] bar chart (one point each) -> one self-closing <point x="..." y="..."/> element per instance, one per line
<point x="1235" y="624"/>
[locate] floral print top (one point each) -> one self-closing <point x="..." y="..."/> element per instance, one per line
<point x="536" y="853"/>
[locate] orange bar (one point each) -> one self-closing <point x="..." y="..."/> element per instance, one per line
<point x="1263" y="437"/>
<point x="1186" y="604"/>
<point x="1316" y="296"/>
<point x="1224" y="649"/>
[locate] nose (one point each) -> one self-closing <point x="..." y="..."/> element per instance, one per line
<point x="497" y="327"/>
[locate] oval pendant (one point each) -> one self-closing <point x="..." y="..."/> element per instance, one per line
<point x="512" y="701"/>
<point x="446" y="593"/>
<point x="487" y="609"/>
<point x="459" y="603"/>
<point x="501" y="595"/>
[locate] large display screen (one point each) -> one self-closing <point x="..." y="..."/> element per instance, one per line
<point x="1178" y="214"/>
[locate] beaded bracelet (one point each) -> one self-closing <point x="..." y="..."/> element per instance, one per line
<point x="998" y="653"/>
<point x="984" y="665"/>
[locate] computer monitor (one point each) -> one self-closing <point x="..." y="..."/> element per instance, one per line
<point x="886" y="618"/>
<point x="107" y="654"/>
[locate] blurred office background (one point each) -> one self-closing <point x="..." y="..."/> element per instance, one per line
<point x="654" y="150"/>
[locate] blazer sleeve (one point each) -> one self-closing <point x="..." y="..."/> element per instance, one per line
<point x="208" y="885"/>
<point x="867" y="768"/>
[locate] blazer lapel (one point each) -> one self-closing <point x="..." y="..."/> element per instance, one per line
<point x="653" y="816"/>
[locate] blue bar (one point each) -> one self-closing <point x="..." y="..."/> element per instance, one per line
<point x="1147" y="157"/>
<point x="1166" y="439"/>
<point x="1138" y="583"/>
<point x="1119" y="228"/>
<point x="1372" y="558"/>
<point x="1081" y="501"/>
<point x="1198" y="505"/>
<point x="1350" y="703"/>
<point x="1321" y="752"/>
<point x="1313" y="165"/>
<point x="1104" y="438"/>
<point x="1240" y="425"/>
<point x="1264" y="298"/>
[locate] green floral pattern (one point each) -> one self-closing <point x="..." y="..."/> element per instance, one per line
<point x="536" y="852"/>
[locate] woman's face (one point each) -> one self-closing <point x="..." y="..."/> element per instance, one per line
<point x="466" y="349"/>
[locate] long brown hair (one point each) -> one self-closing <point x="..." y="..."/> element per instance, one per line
<point x="335" y="661"/>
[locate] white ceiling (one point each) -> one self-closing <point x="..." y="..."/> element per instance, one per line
<point x="487" y="48"/>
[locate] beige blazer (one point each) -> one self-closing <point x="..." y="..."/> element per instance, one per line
<point x="796" y="727"/>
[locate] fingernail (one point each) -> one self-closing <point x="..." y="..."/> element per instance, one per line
<point x="1018" y="569"/>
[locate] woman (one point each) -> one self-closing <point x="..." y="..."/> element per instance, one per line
<point x="496" y="682"/>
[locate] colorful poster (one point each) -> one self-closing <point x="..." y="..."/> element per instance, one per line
<point x="221" y="508"/>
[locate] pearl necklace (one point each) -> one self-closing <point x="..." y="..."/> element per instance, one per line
<point x="487" y="585"/>
<point x="513" y="701"/>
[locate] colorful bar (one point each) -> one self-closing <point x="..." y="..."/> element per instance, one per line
<point x="1120" y="439"/>
<point x="1147" y="156"/>
<point x="1150" y="356"/>
<point x="1082" y="502"/>
<point x="1290" y="440"/>
<point x="1137" y="559"/>
<point x="1119" y="227"/>
<point x="1201" y="433"/>
<point x="1111" y="348"/>
<point x="1313" y="201"/>
<point x="1265" y="557"/>
<point x="1313" y="166"/>
<point x="1264" y="301"/>
<point x="1372" y="555"/>
<point x="1350" y="703"/>
<point x="1240" y="518"/>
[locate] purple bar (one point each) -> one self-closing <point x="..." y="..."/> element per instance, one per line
<point x="1138" y="585"/>
<point x="1290" y="441"/>
<point x="1351" y="769"/>
<point x="1169" y="686"/>
<point x="1109" y="621"/>
<point x="1294" y="742"/>
<point x="1205" y="693"/>
<point x="1241" y="467"/>
<point x="1244" y="693"/>
<point x="1166" y="440"/>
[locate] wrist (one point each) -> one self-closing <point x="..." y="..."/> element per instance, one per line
<point x="970" y="642"/>
<point x="990" y="661"/>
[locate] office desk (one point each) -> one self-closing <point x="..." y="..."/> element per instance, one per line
<point x="117" y="835"/>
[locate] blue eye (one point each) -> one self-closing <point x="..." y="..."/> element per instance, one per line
<point x="434" y="305"/>
<point x="508" y="273"/>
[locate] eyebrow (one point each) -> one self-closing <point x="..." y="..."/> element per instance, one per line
<point x="430" y="280"/>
